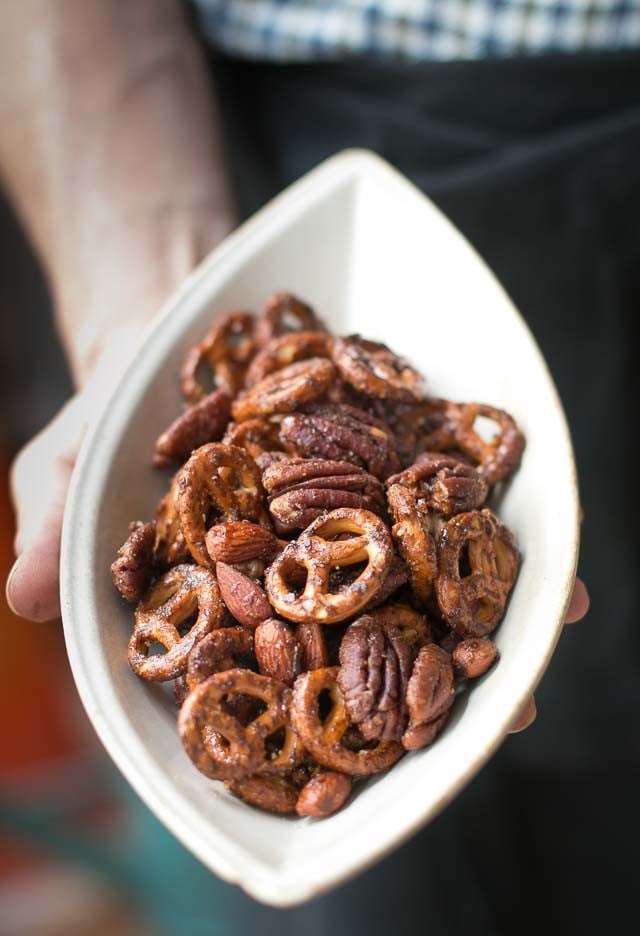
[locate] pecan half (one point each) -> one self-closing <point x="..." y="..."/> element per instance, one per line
<point x="339" y="432"/>
<point x="375" y="665"/>
<point x="286" y="390"/>
<point x="301" y="489"/>
<point x="239" y="541"/>
<point x="204" y="422"/>
<point x="132" y="571"/>
<point x="244" y="598"/>
<point x="431" y="688"/>
<point x="278" y="651"/>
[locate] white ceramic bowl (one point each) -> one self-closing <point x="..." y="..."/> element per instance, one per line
<point x="372" y="255"/>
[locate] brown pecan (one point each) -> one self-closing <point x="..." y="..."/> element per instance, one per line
<point x="324" y="794"/>
<point x="239" y="541"/>
<point x="278" y="651"/>
<point x="311" y="637"/>
<point x="132" y="571"/>
<point x="301" y="489"/>
<point x="375" y="665"/>
<point x="284" y="313"/>
<point x="204" y="422"/>
<point x="421" y="735"/>
<point x="373" y="369"/>
<point x="339" y="432"/>
<point x="414" y="627"/>
<point x="473" y="657"/>
<point x="244" y="598"/>
<point x="431" y="688"/>
<point x="444" y="483"/>
<point x="257" y="436"/>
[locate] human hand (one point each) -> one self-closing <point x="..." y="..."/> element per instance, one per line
<point x="578" y="607"/>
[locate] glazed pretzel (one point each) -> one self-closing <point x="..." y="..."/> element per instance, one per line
<point x="287" y="349"/>
<point x="219" y="744"/>
<point x="318" y="552"/>
<point x="498" y="458"/>
<point x="256" y="436"/>
<point x="225" y="352"/>
<point x="324" y="739"/>
<point x="223" y="649"/>
<point x="170" y="548"/>
<point x="219" y="482"/>
<point x="284" y="313"/>
<point x="169" y="605"/>
<point x="473" y="601"/>
<point x="371" y="368"/>
<point x="285" y="390"/>
<point x="414" y="538"/>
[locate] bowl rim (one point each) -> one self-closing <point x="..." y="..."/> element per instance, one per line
<point x="135" y="767"/>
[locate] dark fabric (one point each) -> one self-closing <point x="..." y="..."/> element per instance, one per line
<point x="537" y="162"/>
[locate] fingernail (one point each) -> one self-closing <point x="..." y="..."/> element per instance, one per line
<point x="525" y="717"/>
<point x="10" y="580"/>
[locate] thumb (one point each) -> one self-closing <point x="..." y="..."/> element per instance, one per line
<point x="40" y="479"/>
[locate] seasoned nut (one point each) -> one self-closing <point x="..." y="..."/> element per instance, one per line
<point x="342" y="433"/>
<point x="278" y="651"/>
<point x="286" y="390"/>
<point x="420" y="736"/>
<point x="240" y="541"/>
<point x="302" y="488"/>
<point x="371" y="368"/>
<point x="375" y="665"/>
<point x="314" y="645"/>
<point x="257" y="436"/>
<point x="275" y="794"/>
<point x="244" y="598"/>
<point x="431" y="689"/>
<point x="444" y="484"/>
<point x="132" y="571"/>
<point x="202" y="423"/>
<point x="413" y="626"/>
<point x="473" y="657"/>
<point x="324" y="794"/>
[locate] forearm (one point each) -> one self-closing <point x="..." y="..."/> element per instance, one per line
<point x="111" y="155"/>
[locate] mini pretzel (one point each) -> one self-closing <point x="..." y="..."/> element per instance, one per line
<point x="286" y="390"/>
<point x="498" y="458"/>
<point x="256" y="436"/>
<point x="473" y="601"/>
<point x="223" y="649"/>
<point x="283" y="314"/>
<point x="414" y="538"/>
<point x="318" y="551"/>
<point x="219" y="482"/>
<point x="446" y="484"/>
<point x="219" y="744"/>
<point x="324" y="738"/>
<point x="168" y="606"/>
<point x="285" y="350"/>
<point x="170" y="547"/>
<point x="374" y="370"/>
<point x="225" y="352"/>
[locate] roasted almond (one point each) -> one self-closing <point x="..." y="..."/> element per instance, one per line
<point x="473" y="657"/>
<point x="240" y="541"/>
<point x="278" y="651"/>
<point x="244" y="598"/>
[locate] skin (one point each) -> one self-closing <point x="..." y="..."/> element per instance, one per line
<point x="110" y="154"/>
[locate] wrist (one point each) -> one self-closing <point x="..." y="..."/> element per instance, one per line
<point x="115" y="284"/>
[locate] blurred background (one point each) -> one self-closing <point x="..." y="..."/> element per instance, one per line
<point x="544" y="839"/>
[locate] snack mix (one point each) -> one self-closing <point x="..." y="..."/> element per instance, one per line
<point x="323" y="569"/>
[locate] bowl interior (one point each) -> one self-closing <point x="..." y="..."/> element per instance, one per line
<point x="372" y="255"/>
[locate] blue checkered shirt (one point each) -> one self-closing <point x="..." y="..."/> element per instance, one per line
<point x="417" y="30"/>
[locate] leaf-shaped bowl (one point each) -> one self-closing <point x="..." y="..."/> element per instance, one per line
<point x="372" y="255"/>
